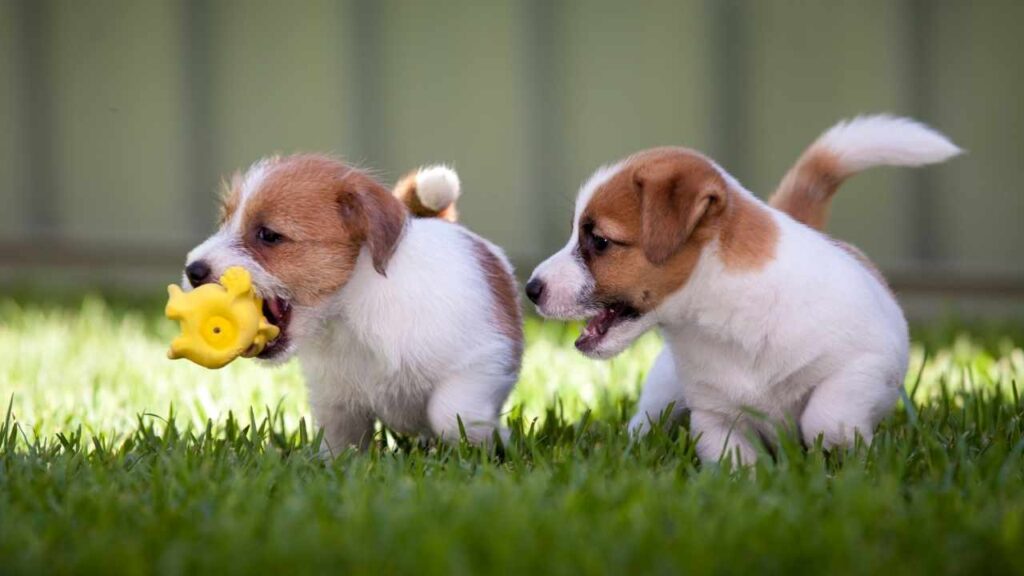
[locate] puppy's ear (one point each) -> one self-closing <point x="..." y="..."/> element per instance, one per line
<point x="675" y="198"/>
<point x="376" y="218"/>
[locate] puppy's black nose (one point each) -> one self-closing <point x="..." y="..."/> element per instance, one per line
<point x="534" y="290"/>
<point x="198" y="273"/>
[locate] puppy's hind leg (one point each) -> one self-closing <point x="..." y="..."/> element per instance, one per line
<point x="475" y="399"/>
<point x="850" y="402"/>
<point x="721" y="437"/>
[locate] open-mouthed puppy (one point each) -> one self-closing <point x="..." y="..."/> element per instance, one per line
<point x="766" y="319"/>
<point x="395" y="312"/>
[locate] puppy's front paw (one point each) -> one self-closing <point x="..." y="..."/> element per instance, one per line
<point x="639" y="425"/>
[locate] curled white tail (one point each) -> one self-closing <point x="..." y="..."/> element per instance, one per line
<point x="869" y="141"/>
<point x="430" y="192"/>
<point x="437" y="186"/>
<point x="850" y="147"/>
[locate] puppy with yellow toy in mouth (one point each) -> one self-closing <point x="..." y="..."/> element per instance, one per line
<point x="219" y="322"/>
<point x="394" y="310"/>
<point x="766" y="319"/>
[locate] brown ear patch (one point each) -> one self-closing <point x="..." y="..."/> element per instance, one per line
<point x="405" y="191"/>
<point x="676" y="193"/>
<point x="297" y="198"/>
<point x="384" y="219"/>
<point x="326" y="213"/>
<point x="504" y="295"/>
<point x="627" y="272"/>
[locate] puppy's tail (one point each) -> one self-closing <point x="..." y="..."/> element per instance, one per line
<point x="847" y="148"/>
<point x="430" y="192"/>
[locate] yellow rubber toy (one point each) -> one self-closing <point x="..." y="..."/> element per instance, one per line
<point x="219" y="322"/>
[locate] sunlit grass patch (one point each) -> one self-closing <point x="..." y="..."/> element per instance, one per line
<point x="115" y="459"/>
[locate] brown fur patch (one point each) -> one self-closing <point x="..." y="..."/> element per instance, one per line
<point x="748" y="236"/>
<point x="505" y="296"/>
<point x="325" y="212"/>
<point x="660" y="211"/>
<point x="405" y="191"/>
<point x="806" y="191"/>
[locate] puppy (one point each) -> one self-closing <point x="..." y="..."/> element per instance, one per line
<point x="766" y="319"/>
<point x="410" y="320"/>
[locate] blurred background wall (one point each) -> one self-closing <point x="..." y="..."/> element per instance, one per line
<point x="118" y="118"/>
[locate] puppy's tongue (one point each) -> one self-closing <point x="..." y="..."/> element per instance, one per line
<point x="596" y="328"/>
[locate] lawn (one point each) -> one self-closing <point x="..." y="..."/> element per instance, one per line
<point x="114" y="459"/>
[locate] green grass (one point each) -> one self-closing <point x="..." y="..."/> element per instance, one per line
<point x="114" y="459"/>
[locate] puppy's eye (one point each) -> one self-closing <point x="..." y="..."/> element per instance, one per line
<point x="600" y="243"/>
<point x="268" y="236"/>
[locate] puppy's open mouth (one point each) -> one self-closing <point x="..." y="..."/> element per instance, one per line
<point x="597" y="326"/>
<point x="278" y="312"/>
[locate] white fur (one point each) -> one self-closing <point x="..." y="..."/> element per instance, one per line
<point x="418" y="349"/>
<point x="599" y="178"/>
<point x="868" y="141"/>
<point x="254" y="177"/>
<point x="567" y="282"/>
<point x="812" y="338"/>
<point x="437" y="187"/>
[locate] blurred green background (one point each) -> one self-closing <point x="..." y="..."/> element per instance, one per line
<point x="118" y="118"/>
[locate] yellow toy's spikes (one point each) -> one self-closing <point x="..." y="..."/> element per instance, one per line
<point x="264" y="334"/>
<point x="268" y="330"/>
<point x="236" y="280"/>
<point x="179" y="348"/>
<point x="174" y="296"/>
<point x="219" y="322"/>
